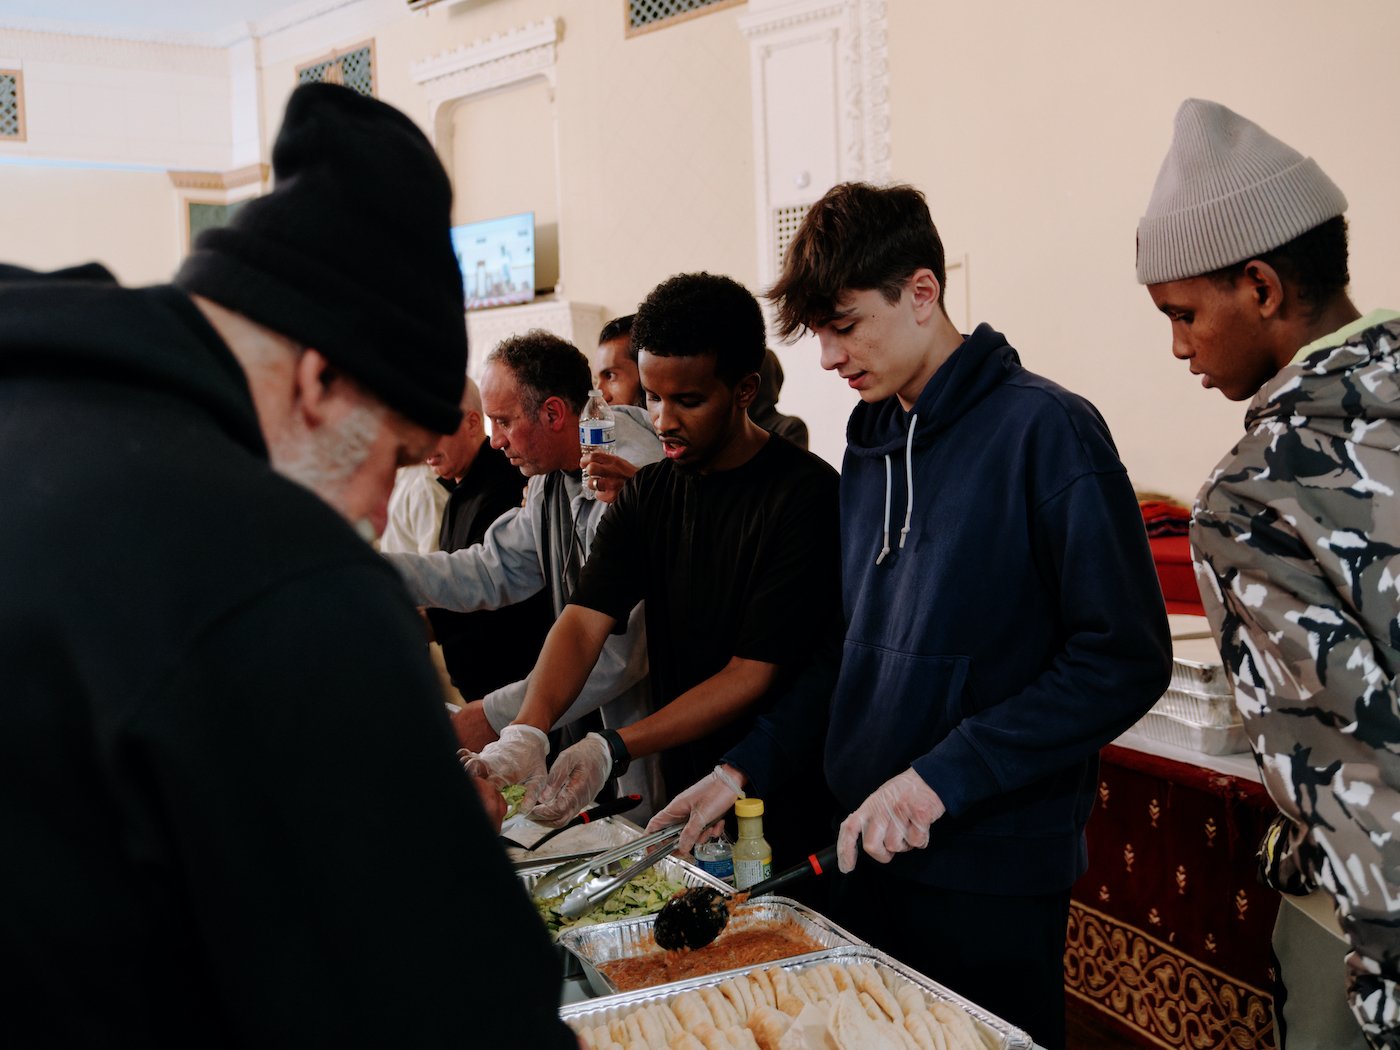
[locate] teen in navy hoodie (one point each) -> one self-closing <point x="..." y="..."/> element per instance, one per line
<point x="1004" y="620"/>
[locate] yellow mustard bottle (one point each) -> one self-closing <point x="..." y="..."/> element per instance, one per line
<point x="753" y="857"/>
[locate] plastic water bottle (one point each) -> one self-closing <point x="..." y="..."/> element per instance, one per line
<point x="595" y="432"/>
<point x="717" y="858"/>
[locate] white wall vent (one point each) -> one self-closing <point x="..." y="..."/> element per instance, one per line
<point x="646" y="15"/>
<point x="11" y="105"/>
<point x="353" y="67"/>
<point x="786" y="220"/>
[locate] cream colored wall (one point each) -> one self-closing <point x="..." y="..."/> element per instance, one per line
<point x="127" y="220"/>
<point x="655" y="170"/>
<point x="1037" y="130"/>
<point x="504" y="162"/>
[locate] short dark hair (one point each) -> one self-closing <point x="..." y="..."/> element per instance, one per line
<point x="619" y="328"/>
<point x="857" y="237"/>
<point x="545" y="366"/>
<point x="703" y="313"/>
<point x="1313" y="264"/>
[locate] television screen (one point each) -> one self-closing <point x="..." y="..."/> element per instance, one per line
<point x="497" y="258"/>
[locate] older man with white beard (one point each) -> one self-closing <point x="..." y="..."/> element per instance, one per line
<point x="229" y="797"/>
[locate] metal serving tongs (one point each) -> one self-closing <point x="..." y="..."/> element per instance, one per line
<point x="598" y="889"/>
<point x="575" y="873"/>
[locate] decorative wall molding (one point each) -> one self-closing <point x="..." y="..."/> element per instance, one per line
<point x="490" y="63"/>
<point x="113" y="53"/>
<point x="253" y="174"/>
<point x="483" y="66"/>
<point x="770" y="16"/>
<point x="293" y="14"/>
<point x="844" y="105"/>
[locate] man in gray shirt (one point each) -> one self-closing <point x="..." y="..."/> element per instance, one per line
<point x="533" y="388"/>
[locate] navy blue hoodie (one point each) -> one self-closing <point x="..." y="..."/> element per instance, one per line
<point x="1003" y="629"/>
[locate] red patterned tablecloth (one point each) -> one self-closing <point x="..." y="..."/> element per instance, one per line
<point x="1169" y="933"/>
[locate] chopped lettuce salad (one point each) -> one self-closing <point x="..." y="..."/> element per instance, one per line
<point x="642" y="895"/>
<point x="513" y="796"/>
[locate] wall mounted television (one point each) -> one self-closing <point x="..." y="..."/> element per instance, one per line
<point x="497" y="259"/>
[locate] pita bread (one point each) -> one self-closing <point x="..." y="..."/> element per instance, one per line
<point x="768" y="1026"/>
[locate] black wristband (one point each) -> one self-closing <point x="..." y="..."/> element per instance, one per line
<point x="621" y="757"/>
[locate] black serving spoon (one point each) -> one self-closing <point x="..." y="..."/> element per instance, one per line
<point x="696" y="917"/>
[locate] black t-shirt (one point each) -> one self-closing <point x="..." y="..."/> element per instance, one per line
<point x="742" y="562"/>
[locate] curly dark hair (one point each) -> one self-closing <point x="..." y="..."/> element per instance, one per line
<point x="857" y="237"/>
<point x="1314" y="264"/>
<point x="703" y="313"/>
<point x="545" y="366"/>
<point x="619" y="328"/>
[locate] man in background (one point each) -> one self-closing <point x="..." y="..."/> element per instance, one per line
<point x="615" y="363"/>
<point x="534" y="386"/>
<point x="488" y="649"/>
<point x="764" y="410"/>
<point x="1296" y="534"/>
<point x="414" y="517"/>
<point x="229" y="800"/>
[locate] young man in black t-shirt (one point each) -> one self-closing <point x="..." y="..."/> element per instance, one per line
<point x="731" y="540"/>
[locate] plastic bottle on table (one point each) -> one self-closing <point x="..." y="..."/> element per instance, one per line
<point x="753" y="857"/>
<point x="717" y="858"/>
<point x="595" y="432"/>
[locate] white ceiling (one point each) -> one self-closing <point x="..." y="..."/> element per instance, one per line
<point x="155" y="18"/>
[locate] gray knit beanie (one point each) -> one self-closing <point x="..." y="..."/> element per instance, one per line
<point x="1227" y="191"/>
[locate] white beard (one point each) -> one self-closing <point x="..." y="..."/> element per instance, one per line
<point x="327" y="459"/>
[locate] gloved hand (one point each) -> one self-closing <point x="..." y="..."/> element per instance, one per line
<point x="513" y="759"/>
<point x="895" y="818"/>
<point x="702" y="806"/>
<point x="575" y="779"/>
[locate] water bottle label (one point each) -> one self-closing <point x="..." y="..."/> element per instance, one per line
<point x="720" y="867"/>
<point x="595" y="434"/>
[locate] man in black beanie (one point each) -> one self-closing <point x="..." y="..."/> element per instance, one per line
<point x="229" y="798"/>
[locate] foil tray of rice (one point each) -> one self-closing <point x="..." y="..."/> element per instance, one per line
<point x="623" y="956"/>
<point x="849" y="998"/>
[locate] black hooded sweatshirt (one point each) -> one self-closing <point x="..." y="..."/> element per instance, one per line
<point x="230" y="809"/>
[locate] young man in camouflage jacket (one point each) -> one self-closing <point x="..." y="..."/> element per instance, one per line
<point x="1296" y="534"/>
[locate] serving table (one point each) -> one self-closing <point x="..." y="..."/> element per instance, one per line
<point x="1170" y="928"/>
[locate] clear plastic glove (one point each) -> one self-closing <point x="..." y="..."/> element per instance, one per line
<point x="575" y="779"/>
<point x="894" y="819"/>
<point x="701" y="806"/>
<point x="514" y="759"/>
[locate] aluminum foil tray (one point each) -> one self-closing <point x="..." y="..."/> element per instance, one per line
<point x="1197" y="667"/>
<point x="607" y="942"/>
<point x="1204" y="709"/>
<point x="672" y="867"/>
<point x="582" y="841"/>
<point x="994" y="1031"/>
<point x="1208" y="740"/>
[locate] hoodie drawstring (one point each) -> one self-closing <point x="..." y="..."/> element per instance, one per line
<point x="909" y="487"/>
<point x="908" y="479"/>
<point x="886" y="548"/>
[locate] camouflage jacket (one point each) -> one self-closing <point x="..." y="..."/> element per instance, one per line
<point x="1296" y="539"/>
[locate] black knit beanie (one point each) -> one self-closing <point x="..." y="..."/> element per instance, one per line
<point x="350" y="253"/>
